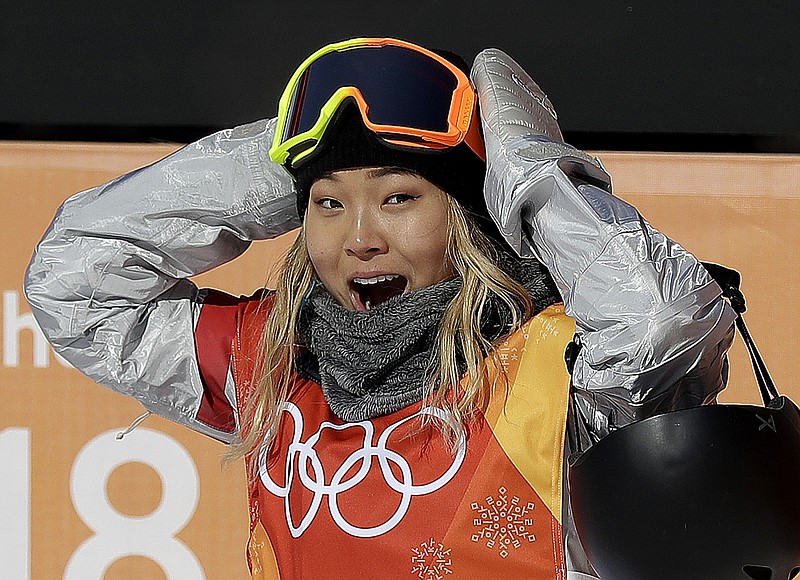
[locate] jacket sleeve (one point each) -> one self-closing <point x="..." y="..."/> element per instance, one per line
<point x="108" y="282"/>
<point x="653" y="325"/>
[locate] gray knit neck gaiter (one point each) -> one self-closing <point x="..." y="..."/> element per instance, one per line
<point x="376" y="362"/>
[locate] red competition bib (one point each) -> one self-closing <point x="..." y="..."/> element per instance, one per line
<point x="386" y="498"/>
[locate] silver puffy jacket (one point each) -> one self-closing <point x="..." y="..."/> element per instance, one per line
<point x="108" y="282"/>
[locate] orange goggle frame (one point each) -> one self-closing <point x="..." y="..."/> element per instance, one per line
<point x="407" y="95"/>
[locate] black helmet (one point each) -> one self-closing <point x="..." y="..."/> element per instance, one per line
<point x="709" y="493"/>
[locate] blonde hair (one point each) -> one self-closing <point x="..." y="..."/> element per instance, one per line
<point x="459" y="340"/>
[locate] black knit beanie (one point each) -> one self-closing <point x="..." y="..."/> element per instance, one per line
<point x="349" y="144"/>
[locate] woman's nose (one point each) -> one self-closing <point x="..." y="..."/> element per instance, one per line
<point x="365" y="239"/>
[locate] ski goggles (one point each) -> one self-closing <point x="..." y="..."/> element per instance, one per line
<point x="407" y="95"/>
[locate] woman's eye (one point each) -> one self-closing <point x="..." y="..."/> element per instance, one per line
<point x="328" y="203"/>
<point x="399" y="198"/>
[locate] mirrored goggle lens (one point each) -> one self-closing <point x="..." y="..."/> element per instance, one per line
<point x="401" y="86"/>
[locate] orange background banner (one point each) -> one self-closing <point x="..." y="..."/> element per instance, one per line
<point x="76" y="503"/>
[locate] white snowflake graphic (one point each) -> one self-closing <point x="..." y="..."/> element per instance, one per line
<point x="503" y="523"/>
<point x="431" y="561"/>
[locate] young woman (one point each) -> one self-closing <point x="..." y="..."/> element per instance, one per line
<point x="401" y="397"/>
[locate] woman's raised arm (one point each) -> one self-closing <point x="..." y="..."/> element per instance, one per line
<point x="653" y="326"/>
<point x="107" y="283"/>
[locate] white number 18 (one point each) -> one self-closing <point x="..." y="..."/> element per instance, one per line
<point x="115" y="535"/>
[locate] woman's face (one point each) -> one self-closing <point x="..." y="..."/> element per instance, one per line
<point x="375" y="233"/>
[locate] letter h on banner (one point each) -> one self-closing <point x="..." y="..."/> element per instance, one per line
<point x="15" y="322"/>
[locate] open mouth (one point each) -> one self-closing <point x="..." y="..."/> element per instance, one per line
<point x="367" y="293"/>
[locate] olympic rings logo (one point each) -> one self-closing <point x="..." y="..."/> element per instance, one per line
<point x="301" y="456"/>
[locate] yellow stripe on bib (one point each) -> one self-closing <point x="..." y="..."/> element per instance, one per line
<point x="531" y="426"/>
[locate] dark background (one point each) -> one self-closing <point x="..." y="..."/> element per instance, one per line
<point x="642" y="75"/>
